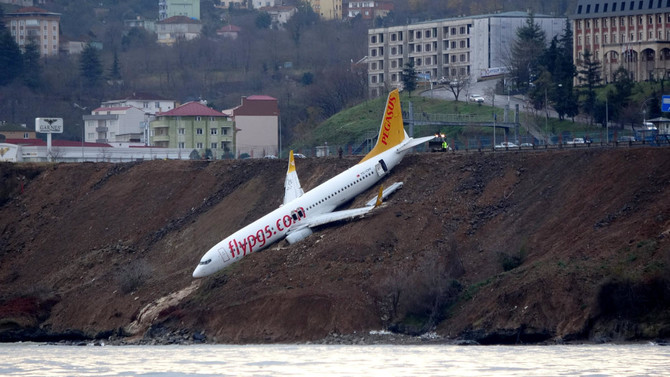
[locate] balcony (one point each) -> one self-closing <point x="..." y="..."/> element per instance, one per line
<point x="101" y="129"/>
<point x="159" y="138"/>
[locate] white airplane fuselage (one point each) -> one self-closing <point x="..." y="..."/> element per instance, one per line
<point x="322" y="199"/>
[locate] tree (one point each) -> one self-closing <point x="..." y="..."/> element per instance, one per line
<point x="529" y="43"/>
<point x="408" y="77"/>
<point x="90" y="66"/>
<point x="11" y="60"/>
<point x="263" y="20"/>
<point x="589" y="75"/>
<point x="303" y="18"/>
<point x="115" y="71"/>
<point x="457" y="84"/>
<point x="32" y="69"/>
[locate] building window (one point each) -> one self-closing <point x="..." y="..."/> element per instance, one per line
<point x="213" y="131"/>
<point x="198" y="145"/>
<point x="198" y="119"/>
<point x="224" y="131"/>
<point x="453" y="31"/>
<point x="181" y="145"/>
<point x="198" y="131"/>
<point x="462" y="29"/>
<point x="182" y="131"/>
<point x="462" y="44"/>
<point x="213" y="145"/>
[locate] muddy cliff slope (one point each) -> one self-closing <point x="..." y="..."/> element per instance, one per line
<point x="505" y="248"/>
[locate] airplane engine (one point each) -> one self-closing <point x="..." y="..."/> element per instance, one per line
<point x="298" y="235"/>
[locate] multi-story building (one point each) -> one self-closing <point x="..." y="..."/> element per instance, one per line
<point x="257" y="4"/>
<point x="632" y="34"/>
<point x="119" y="124"/>
<point x="147" y="102"/>
<point x="11" y="131"/>
<point x="369" y="9"/>
<point x="171" y="8"/>
<point x="327" y="9"/>
<point x="280" y="14"/>
<point x="257" y="124"/>
<point x="194" y="126"/>
<point x="175" y="28"/>
<point x="36" y="25"/>
<point x="462" y="48"/>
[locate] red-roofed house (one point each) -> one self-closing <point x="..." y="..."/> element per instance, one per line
<point x="194" y="126"/>
<point x="257" y="123"/>
<point x="175" y="28"/>
<point x="35" y="24"/>
<point x="122" y="124"/>
<point x="229" y="31"/>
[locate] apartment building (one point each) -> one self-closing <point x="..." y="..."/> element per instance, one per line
<point x="369" y="9"/>
<point x="194" y="126"/>
<point x="462" y="47"/>
<point x="119" y="124"/>
<point x="37" y="25"/>
<point x="633" y="34"/>
<point x="327" y="9"/>
<point x="257" y="124"/>
<point x="171" y="8"/>
<point x="175" y="28"/>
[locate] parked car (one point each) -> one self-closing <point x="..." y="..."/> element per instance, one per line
<point x="626" y="138"/>
<point x="577" y="140"/>
<point x="526" y="145"/>
<point x="506" y="144"/>
<point x="476" y="98"/>
<point x="270" y="157"/>
<point x="299" y="155"/>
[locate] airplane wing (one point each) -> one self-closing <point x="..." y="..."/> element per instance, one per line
<point x="330" y="217"/>
<point x="292" y="187"/>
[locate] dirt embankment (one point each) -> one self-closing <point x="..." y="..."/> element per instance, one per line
<point x="505" y="248"/>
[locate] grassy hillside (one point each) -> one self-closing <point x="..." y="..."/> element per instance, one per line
<point x="353" y="125"/>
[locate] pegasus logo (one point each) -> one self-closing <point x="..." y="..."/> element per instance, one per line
<point x="387" y="119"/>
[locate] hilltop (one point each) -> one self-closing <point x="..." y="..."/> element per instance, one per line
<point x="505" y="248"/>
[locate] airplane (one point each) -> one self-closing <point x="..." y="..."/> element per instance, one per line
<point x="301" y="211"/>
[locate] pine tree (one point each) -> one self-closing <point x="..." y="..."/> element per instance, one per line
<point x="11" y="61"/>
<point x="529" y="43"/>
<point x="408" y="77"/>
<point x="115" y="71"/>
<point x="90" y="66"/>
<point x="32" y="68"/>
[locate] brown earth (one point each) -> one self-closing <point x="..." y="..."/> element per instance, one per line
<point x="504" y="248"/>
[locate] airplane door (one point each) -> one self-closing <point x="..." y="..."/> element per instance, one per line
<point x="381" y="168"/>
<point x="224" y="254"/>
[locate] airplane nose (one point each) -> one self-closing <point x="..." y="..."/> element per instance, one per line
<point x="198" y="272"/>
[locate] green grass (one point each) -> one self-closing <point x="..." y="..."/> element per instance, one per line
<point x="353" y="125"/>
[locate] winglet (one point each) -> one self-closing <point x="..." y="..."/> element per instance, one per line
<point x="292" y="187"/>
<point x="379" y="196"/>
<point x="391" y="131"/>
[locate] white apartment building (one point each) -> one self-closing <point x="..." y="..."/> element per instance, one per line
<point x="114" y="125"/>
<point x="462" y="47"/>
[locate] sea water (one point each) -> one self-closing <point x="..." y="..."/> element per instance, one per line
<point x="31" y="359"/>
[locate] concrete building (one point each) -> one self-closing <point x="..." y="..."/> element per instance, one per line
<point x="257" y="4"/>
<point x="369" y="9"/>
<point x="257" y="123"/>
<point x="175" y="28"/>
<point x="464" y="47"/>
<point x="171" y="8"/>
<point x="120" y="124"/>
<point x="280" y="14"/>
<point x="11" y="131"/>
<point x="327" y="9"/>
<point x="147" y="102"/>
<point x="630" y="34"/>
<point x="194" y="126"/>
<point x="35" y="24"/>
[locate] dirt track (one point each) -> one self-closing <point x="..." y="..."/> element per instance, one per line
<point x="505" y="248"/>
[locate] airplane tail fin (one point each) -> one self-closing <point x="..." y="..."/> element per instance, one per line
<point x="391" y="132"/>
<point x="292" y="187"/>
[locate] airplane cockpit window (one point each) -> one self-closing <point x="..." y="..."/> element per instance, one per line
<point x="204" y="262"/>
